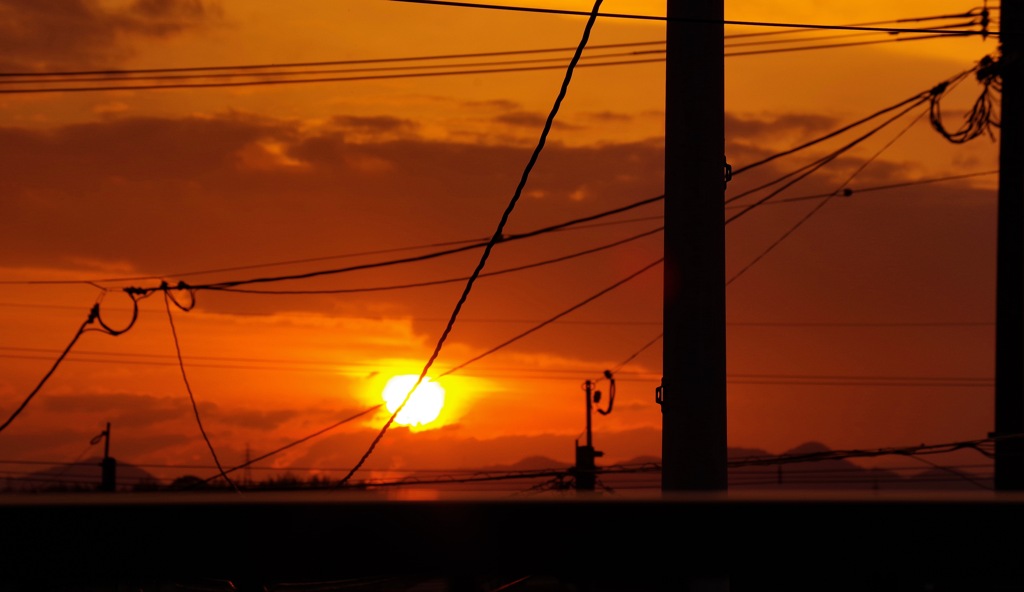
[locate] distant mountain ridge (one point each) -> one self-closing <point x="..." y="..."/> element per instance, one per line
<point x="636" y="473"/>
<point x="83" y="475"/>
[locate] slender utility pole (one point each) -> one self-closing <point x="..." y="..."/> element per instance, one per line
<point x="693" y="386"/>
<point x="108" y="468"/>
<point x="1009" y="405"/>
<point x="586" y="469"/>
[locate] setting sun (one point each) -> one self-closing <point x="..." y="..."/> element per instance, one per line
<point x="423" y="407"/>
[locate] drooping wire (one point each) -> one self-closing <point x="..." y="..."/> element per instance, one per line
<point x="168" y="298"/>
<point x="983" y="115"/>
<point x="563" y="90"/>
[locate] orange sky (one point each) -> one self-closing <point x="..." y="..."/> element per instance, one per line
<point x="880" y="305"/>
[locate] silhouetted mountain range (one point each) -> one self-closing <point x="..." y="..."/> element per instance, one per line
<point x="79" y="476"/>
<point x="750" y="469"/>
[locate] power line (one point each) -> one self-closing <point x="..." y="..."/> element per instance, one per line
<point x="289" y="65"/>
<point x="273" y="66"/>
<point x="398" y="72"/>
<point x="806" y="170"/>
<point x="433" y="255"/>
<point x="455" y="247"/>
<point x="497" y="233"/>
<point x="554" y="318"/>
<point x="423" y="284"/>
<point x="849" y="191"/>
<point x="914" y="99"/>
<point x="282" y="72"/>
<point x="248" y="83"/>
<point x="735" y="54"/>
<point x="277" y="451"/>
<point x="789" y="232"/>
<point x="93" y="315"/>
<point x="692" y="20"/>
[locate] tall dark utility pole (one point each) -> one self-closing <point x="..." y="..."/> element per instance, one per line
<point x="693" y="400"/>
<point x="1009" y="405"/>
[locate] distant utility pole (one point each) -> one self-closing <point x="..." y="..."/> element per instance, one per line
<point x="585" y="469"/>
<point x="693" y="400"/>
<point x="1009" y="404"/>
<point x="108" y="468"/>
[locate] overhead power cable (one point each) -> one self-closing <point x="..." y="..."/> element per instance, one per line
<point x="550" y="320"/>
<point x="277" y="451"/>
<point x="920" y="98"/>
<point x="455" y="247"/>
<point x="915" y="99"/>
<point x="433" y="255"/>
<point x="959" y="474"/>
<point x="806" y="170"/>
<point x="980" y="446"/>
<point x="495" y="238"/>
<point x="330" y="63"/>
<point x="817" y="207"/>
<point x="248" y="75"/>
<point x="850" y="191"/>
<point x="93" y="317"/>
<point x="275" y="68"/>
<point x="423" y="284"/>
<point x="688" y="20"/>
<point x="291" y="81"/>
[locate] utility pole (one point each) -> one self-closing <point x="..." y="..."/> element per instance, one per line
<point x="585" y="471"/>
<point x="693" y="392"/>
<point x="108" y="478"/>
<point x="1009" y="404"/>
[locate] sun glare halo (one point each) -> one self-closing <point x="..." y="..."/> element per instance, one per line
<point x="424" y="405"/>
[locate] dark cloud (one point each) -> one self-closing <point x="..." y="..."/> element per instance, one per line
<point x="781" y="125"/>
<point x="194" y="192"/>
<point x="379" y="124"/>
<point x="136" y="411"/>
<point x="38" y="35"/>
<point x="530" y="120"/>
<point x="610" y="116"/>
<point x="254" y="419"/>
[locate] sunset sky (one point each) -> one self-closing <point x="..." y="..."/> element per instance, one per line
<point x="870" y="326"/>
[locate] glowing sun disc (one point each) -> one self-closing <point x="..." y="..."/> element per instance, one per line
<point x="424" y="405"/>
